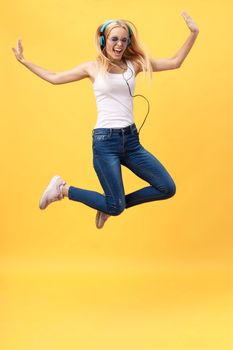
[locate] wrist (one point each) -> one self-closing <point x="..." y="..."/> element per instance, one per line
<point x="195" y="32"/>
<point x="22" y="60"/>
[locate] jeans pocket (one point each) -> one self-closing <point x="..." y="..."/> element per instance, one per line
<point x="100" y="137"/>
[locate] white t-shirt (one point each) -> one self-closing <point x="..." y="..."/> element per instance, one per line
<point x="113" y="100"/>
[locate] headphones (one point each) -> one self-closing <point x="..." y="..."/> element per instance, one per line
<point x="102" y="36"/>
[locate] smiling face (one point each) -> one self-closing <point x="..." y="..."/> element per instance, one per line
<point x="116" y="43"/>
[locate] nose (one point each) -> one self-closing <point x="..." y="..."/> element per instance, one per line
<point x="119" y="43"/>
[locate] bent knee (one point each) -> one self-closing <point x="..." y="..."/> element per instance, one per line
<point x="116" y="211"/>
<point x="116" y="206"/>
<point x="171" y="190"/>
<point x="168" y="189"/>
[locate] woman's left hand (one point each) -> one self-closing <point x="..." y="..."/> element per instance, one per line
<point x="190" y="23"/>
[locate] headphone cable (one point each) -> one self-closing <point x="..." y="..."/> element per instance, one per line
<point x="148" y="103"/>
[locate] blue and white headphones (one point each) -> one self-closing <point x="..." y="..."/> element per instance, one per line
<point x="102" y="36"/>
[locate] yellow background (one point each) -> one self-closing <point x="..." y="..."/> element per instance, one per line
<point x="159" y="276"/>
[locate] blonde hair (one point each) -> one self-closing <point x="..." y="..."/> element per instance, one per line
<point x="136" y="52"/>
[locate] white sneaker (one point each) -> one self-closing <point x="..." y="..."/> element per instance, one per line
<point x="53" y="192"/>
<point x="101" y="218"/>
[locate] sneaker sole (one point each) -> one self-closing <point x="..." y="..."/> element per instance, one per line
<point x="97" y="220"/>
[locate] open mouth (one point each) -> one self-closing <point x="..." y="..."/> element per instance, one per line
<point x="118" y="51"/>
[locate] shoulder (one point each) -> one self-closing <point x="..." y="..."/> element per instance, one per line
<point x="88" y="66"/>
<point x="91" y="68"/>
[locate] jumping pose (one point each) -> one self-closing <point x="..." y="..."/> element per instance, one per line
<point x="115" y="137"/>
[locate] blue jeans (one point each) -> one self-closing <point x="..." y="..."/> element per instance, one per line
<point x="115" y="147"/>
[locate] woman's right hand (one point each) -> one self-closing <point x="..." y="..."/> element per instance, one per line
<point x="18" y="51"/>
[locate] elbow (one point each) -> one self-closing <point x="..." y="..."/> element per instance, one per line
<point x="52" y="79"/>
<point x="176" y="63"/>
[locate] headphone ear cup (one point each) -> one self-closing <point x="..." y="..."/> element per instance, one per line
<point x="128" y="43"/>
<point x="102" y="41"/>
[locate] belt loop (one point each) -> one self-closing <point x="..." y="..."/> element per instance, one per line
<point x="110" y="132"/>
<point x="133" y="128"/>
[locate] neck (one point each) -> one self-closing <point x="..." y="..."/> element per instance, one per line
<point x="120" y="63"/>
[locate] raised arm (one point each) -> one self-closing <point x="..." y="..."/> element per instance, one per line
<point x="77" y="73"/>
<point x="176" y="61"/>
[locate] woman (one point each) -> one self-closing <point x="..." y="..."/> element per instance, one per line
<point x="115" y="136"/>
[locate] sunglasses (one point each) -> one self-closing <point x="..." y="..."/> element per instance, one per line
<point x="115" y="39"/>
